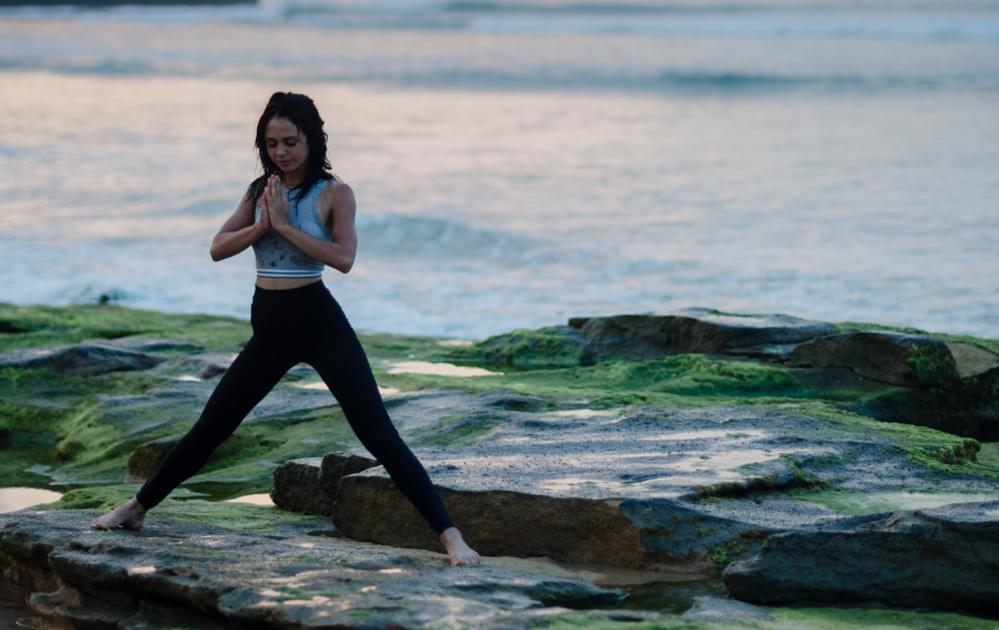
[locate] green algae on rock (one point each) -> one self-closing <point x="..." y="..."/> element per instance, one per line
<point x="553" y="346"/>
<point x="39" y="326"/>
<point x="944" y="381"/>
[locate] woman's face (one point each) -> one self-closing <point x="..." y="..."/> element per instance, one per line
<point x="286" y="145"/>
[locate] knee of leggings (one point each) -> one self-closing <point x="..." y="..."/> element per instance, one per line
<point x="384" y="444"/>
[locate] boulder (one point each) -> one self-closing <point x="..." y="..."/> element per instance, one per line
<point x="678" y="490"/>
<point x="692" y="330"/>
<point x="310" y="484"/>
<point x="659" y="535"/>
<point x="578" y="530"/>
<point x="969" y="407"/>
<point x="684" y="491"/>
<point x="945" y="558"/>
<point x="887" y="357"/>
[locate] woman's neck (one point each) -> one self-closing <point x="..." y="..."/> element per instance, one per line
<point x="293" y="178"/>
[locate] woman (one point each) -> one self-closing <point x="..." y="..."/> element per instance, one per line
<point x="298" y="218"/>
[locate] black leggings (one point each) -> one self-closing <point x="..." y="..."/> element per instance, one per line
<point x="292" y="326"/>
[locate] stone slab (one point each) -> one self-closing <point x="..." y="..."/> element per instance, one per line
<point x="211" y="578"/>
<point x="945" y="558"/>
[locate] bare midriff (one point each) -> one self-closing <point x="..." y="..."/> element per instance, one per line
<point x="284" y="283"/>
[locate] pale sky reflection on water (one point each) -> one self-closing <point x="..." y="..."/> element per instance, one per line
<point x="515" y="179"/>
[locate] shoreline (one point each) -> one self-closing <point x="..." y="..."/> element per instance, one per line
<point x="110" y="300"/>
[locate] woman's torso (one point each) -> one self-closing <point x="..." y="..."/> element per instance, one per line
<point x="314" y="201"/>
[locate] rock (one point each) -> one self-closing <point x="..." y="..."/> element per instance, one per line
<point x="310" y="484"/>
<point x="590" y="490"/>
<point x="298" y="487"/>
<point x="552" y="346"/>
<point x="691" y="330"/>
<point x="682" y="490"/>
<point x="81" y="359"/>
<point x="839" y="379"/>
<point x="563" y="529"/>
<point x="945" y="558"/>
<point x="968" y="408"/>
<point x="169" y="574"/>
<point x="971" y="360"/>
<point x="887" y="357"/>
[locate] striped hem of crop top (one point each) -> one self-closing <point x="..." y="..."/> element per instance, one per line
<point x="290" y="273"/>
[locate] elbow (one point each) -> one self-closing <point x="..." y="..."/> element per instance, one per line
<point x="215" y="251"/>
<point x="344" y="265"/>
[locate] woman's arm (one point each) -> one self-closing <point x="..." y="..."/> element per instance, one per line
<point x="239" y="231"/>
<point x="339" y="252"/>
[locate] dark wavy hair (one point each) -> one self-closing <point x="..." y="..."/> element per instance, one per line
<point x="300" y="110"/>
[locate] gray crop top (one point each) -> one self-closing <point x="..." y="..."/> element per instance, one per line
<point x="279" y="258"/>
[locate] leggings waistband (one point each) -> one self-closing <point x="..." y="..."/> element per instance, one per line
<point x="309" y="293"/>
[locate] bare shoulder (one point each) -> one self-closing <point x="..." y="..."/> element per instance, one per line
<point x="340" y="209"/>
<point x="341" y="196"/>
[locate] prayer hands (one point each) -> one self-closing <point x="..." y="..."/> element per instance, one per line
<point x="275" y="205"/>
<point x="264" y="221"/>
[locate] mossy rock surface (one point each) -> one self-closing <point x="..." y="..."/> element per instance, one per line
<point x="554" y="346"/>
<point x="817" y="445"/>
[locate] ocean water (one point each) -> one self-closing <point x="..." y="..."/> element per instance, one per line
<point x="519" y="163"/>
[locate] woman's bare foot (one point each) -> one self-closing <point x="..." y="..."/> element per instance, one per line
<point x="458" y="552"/>
<point x="128" y="515"/>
